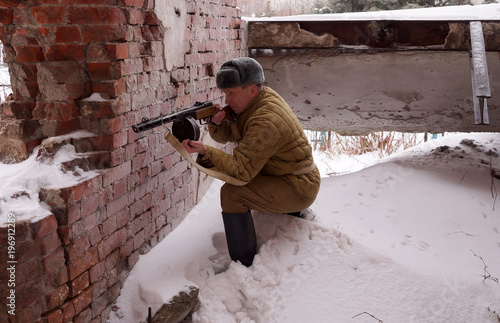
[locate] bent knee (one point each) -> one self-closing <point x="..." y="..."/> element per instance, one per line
<point x="230" y="200"/>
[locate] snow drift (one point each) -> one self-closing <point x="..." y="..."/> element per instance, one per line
<point x="413" y="238"/>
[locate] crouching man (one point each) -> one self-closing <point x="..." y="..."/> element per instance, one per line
<point x="272" y="154"/>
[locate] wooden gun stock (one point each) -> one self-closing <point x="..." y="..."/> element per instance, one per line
<point x="207" y="113"/>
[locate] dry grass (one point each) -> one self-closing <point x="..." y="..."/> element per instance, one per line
<point x="382" y="143"/>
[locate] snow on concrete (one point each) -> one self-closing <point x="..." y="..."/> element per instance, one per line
<point x="448" y="13"/>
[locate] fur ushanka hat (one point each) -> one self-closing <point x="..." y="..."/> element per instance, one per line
<point x="239" y="72"/>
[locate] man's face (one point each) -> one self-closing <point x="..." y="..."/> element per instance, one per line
<point x="238" y="98"/>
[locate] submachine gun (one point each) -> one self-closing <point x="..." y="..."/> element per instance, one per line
<point x="184" y="124"/>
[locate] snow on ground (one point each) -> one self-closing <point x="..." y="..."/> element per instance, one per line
<point x="412" y="238"/>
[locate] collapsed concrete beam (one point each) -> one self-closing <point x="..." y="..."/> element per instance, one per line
<point x="428" y="35"/>
<point x="409" y="91"/>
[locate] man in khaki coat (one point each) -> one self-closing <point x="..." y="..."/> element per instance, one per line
<point x="273" y="155"/>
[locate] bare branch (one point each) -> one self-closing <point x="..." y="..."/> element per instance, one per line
<point x="486" y="274"/>
<point x="467" y="234"/>
<point x="380" y="321"/>
<point x="493" y="188"/>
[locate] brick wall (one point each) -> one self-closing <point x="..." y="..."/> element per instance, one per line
<point x="73" y="263"/>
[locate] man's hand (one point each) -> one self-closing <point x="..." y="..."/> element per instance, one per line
<point x="193" y="146"/>
<point x="219" y="116"/>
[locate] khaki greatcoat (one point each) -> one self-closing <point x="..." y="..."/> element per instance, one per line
<point x="271" y="145"/>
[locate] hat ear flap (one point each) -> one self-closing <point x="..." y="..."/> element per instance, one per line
<point x="228" y="78"/>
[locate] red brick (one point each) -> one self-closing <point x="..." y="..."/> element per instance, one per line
<point x="83" y="300"/>
<point x="127" y="248"/>
<point x="133" y="3"/>
<point x="90" y="221"/>
<point x="131" y="66"/>
<point x="118" y="50"/>
<point x="84" y="317"/>
<point x="54" y="317"/>
<point x="111" y="125"/>
<point x="119" y="188"/>
<point x="68" y="34"/>
<point x="112" y="242"/>
<point x="97" y="271"/>
<point x="6" y="16"/>
<point x="65" y="234"/>
<point x="83" y="189"/>
<point x="104" y="70"/>
<point x="95" y="235"/>
<point x="79" y="284"/>
<point x="26" y="250"/>
<point x="57" y="297"/>
<point x="56" y="111"/>
<point x="142" y="159"/>
<point x="139" y="238"/>
<point x="117" y="173"/>
<point x="99" y="305"/>
<point x="44" y="226"/>
<point x="112" y="87"/>
<point x="112" y="259"/>
<point x="66" y="52"/>
<point x="73" y="213"/>
<point x="44" y="2"/>
<point x="96" y="15"/>
<point x="132" y="259"/>
<point x="29" y="292"/>
<point x="109" y="33"/>
<point x="44" y="31"/>
<point x="16" y="110"/>
<point x="29" y="54"/>
<point x="160" y="221"/>
<point x="150" y="19"/>
<point x="52" y="262"/>
<point x="147" y="201"/>
<point x="122" y="218"/>
<point x="57" y="278"/>
<point x="32" y="86"/>
<point x="50" y="242"/>
<point x="31" y="313"/>
<point x="109" y="226"/>
<point x="114" y="292"/>
<point x="90" y="204"/>
<point x="66" y="126"/>
<point x="104" y="143"/>
<point x="78" y="266"/>
<point x="68" y="311"/>
<point x="48" y="14"/>
<point x="134" y="16"/>
<point x="139" y="223"/>
<point x="89" y="2"/>
<point x="77" y="248"/>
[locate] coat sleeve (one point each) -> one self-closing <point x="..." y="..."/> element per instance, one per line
<point x="221" y="133"/>
<point x="262" y="140"/>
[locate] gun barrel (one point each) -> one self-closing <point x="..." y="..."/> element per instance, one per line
<point x="148" y="124"/>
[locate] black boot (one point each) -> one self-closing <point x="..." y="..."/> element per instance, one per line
<point x="295" y="214"/>
<point x="240" y="236"/>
